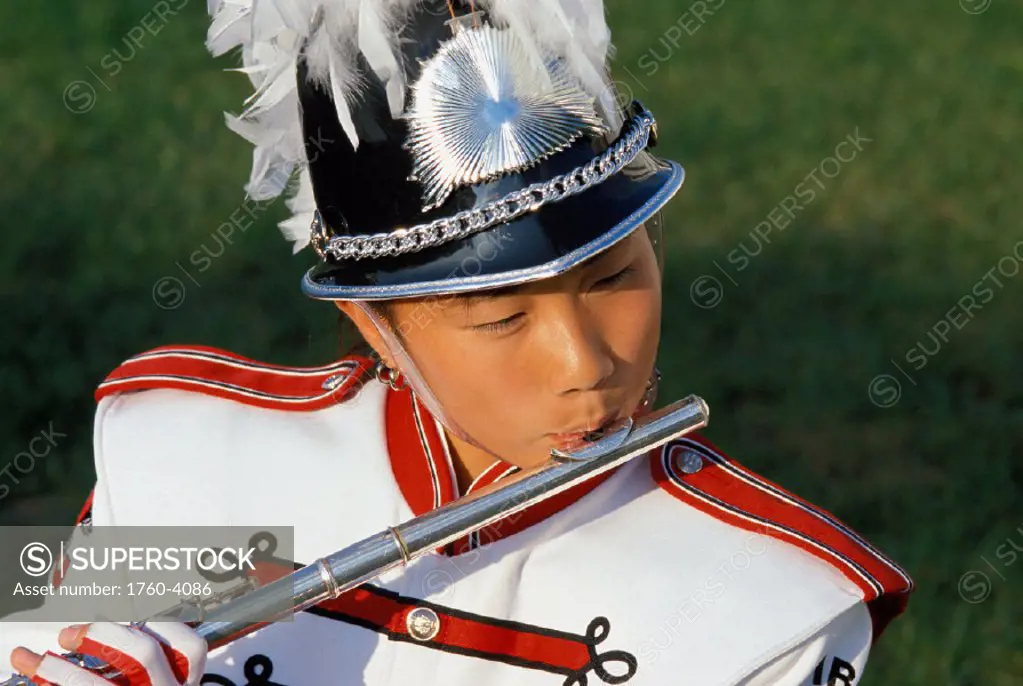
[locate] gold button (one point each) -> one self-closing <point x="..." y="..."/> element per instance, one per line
<point x="423" y="624"/>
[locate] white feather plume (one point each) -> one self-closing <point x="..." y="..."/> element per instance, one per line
<point x="272" y="33"/>
<point x="574" y="29"/>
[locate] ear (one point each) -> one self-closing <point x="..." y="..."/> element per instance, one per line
<point x="367" y="329"/>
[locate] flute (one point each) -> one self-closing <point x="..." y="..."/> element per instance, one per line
<point x="363" y="561"/>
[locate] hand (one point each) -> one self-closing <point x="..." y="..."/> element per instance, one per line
<point x="156" y="654"/>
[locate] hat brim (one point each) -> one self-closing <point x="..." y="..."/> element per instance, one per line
<point x="538" y="245"/>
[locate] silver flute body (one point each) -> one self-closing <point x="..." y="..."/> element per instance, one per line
<point x="333" y="575"/>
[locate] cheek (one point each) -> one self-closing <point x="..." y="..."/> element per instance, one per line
<point x="477" y="384"/>
<point x="634" y="324"/>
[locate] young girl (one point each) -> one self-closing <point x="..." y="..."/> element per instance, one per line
<point x="488" y="216"/>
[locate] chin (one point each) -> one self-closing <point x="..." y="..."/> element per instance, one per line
<point x="533" y="459"/>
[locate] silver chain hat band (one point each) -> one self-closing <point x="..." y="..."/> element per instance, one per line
<point x="446" y="229"/>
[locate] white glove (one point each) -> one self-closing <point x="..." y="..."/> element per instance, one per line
<point x="156" y="654"/>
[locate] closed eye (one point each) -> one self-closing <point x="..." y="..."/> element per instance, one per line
<point x="615" y="279"/>
<point x="501" y="324"/>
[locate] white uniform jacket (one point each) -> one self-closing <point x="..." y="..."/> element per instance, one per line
<point x="682" y="568"/>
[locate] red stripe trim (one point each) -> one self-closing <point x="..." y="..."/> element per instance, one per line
<point x="434" y="448"/>
<point x="726" y="490"/>
<point x="890" y="574"/>
<point x="495" y="472"/>
<point x="86" y="508"/>
<point x="463" y="632"/>
<point x="877" y="563"/>
<point x="227" y="356"/>
<point x="226" y="375"/>
<point x="257" y="379"/>
<point x="409" y="462"/>
<point x="131" y="670"/>
<point x="177" y="660"/>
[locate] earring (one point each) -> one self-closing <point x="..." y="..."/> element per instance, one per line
<point x="393" y="378"/>
<point x="649" y="395"/>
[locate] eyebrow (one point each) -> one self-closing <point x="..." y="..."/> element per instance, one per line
<point x="484" y="296"/>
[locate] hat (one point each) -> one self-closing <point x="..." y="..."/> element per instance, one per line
<point x="441" y="146"/>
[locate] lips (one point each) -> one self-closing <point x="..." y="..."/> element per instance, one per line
<point x="577" y="435"/>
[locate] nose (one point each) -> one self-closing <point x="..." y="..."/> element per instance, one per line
<point x="580" y="355"/>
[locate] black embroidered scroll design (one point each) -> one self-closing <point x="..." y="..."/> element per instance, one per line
<point x="596" y="632"/>
<point x="257" y="670"/>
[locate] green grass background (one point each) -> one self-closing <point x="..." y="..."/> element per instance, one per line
<point x="97" y="206"/>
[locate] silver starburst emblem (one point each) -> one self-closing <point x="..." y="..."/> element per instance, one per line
<point x="485" y="105"/>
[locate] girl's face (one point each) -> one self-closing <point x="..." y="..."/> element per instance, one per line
<point x="528" y="369"/>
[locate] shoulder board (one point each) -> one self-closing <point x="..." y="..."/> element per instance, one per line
<point x="697" y="473"/>
<point x="223" y="374"/>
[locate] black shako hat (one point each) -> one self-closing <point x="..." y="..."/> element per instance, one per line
<point x="441" y="146"/>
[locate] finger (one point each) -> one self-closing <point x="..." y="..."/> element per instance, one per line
<point x="185" y="649"/>
<point x="25" y="661"/>
<point x="136" y="655"/>
<point x="53" y="670"/>
<point x="71" y="637"/>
